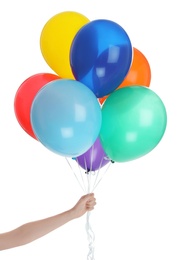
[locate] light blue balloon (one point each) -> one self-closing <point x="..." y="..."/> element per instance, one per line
<point x="66" y="117"/>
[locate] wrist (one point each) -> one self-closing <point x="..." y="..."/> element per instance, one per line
<point x="71" y="214"/>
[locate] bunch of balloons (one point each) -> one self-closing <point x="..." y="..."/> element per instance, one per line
<point x="97" y="105"/>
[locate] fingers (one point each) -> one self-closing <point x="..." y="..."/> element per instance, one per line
<point x="88" y="197"/>
<point x="90" y="201"/>
<point x="90" y="207"/>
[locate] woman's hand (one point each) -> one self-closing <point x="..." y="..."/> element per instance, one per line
<point x="85" y="203"/>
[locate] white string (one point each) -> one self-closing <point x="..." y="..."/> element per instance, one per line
<point x="81" y="174"/>
<point x="90" y="233"/>
<point x="92" y="154"/>
<point x="109" y="164"/>
<point x="75" y="174"/>
<point x="97" y="174"/>
<point x="90" y="237"/>
<point x="88" y="175"/>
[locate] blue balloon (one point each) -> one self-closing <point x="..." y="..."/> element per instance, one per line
<point x="101" y="56"/>
<point x="66" y="117"/>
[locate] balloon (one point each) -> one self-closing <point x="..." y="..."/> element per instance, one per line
<point x="133" y="122"/>
<point x="56" y="38"/>
<point x="100" y="56"/>
<point x="24" y="98"/>
<point x="66" y="117"/>
<point x="138" y="74"/>
<point x="93" y="159"/>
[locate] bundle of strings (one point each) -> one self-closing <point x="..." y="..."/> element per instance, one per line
<point x="88" y="181"/>
<point x="90" y="237"/>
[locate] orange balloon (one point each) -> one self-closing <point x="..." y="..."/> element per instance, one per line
<point x="138" y="74"/>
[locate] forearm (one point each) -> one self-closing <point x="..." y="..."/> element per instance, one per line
<point x="34" y="230"/>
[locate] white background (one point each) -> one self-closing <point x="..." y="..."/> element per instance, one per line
<point x="138" y="214"/>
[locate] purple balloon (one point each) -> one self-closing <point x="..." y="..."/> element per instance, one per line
<point x="94" y="158"/>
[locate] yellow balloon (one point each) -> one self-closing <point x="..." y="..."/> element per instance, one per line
<point x="56" y="39"/>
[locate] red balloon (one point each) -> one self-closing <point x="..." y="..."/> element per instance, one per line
<point x="25" y="96"/>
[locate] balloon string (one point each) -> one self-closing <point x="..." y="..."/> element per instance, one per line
<point x="81" y="174"/>
<point x="75" y="174"/>
<point x="89" y="173"/>
<point x="85" y="164"/>
<point x="90" y="233"/>
<point x="97" y="174"/>
<point x="92" y="154"/>
<point x="95" y="185"/>
<point x="90" y="237"/>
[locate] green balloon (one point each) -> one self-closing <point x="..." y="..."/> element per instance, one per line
<point x="134" y="120"/>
